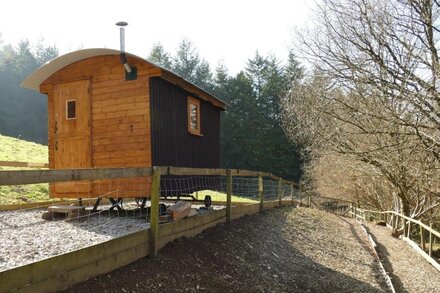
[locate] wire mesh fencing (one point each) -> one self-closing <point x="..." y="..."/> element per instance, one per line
<point x="88" y="210"/>
<point x="103" y="205"/>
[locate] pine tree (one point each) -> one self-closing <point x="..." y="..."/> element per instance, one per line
<point x="159" y="56"/>
<point x="294" y="72"/>
<point x="256" y="69"/>
<point x="23" y="113"/>
<point x="186" y="60"/>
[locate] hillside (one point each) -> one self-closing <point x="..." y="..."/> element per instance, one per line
<point x="13" y="149"/>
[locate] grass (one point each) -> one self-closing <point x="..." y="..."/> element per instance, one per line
<point x="221" y="197"/>
<point x="13" y="149"/>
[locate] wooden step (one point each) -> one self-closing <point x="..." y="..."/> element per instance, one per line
<point x="57" y="211"/>
<point x="66" y="209"/>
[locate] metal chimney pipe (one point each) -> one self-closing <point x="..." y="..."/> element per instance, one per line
<point x="122" y="38"/>
<point x="124" y="61"/>
<point x="121" y="25"/>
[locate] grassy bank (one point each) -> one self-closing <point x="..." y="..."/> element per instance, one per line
<point x="13" y="149"/>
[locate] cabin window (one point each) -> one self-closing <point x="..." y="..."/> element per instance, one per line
<point x="70" y="109"/>
<point x="193" y="116"/>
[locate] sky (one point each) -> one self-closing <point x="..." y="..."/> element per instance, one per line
<point x="224" y="31"/>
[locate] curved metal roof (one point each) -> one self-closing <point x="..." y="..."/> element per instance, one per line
<point x="34" y="80"/>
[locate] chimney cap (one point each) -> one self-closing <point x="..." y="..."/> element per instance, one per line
<point x="121" y="23"/>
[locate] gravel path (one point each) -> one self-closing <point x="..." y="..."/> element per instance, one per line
<point x="408" y="270"/>
<point x="25" y="237"/>
<point x="283" y="250"/>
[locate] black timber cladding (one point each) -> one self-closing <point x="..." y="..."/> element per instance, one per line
<point x="171" y="143"/>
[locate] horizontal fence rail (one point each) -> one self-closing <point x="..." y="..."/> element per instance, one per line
<point x="67" y="175"/>
<point x="23" y="164"/>
<point x="408" y="219"/>
<point x="179" y="171"/>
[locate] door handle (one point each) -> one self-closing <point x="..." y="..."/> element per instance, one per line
<point x="56" y="145"/>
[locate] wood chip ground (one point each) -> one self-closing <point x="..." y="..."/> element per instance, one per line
<point x="283" y="250"/>
<point x="409" y="271"/>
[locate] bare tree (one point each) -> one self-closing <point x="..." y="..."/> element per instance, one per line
<point x="374" y="99"/>
<point x="386" y="48"/>
<point x="366" y="152"/>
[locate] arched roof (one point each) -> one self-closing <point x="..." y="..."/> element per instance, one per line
<point x="34" y="80"/>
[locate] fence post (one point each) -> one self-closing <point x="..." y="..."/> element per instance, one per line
<point x="430" y="239"/>
<point x="422" y="238"/>
<point x="291" y="193"/>
<point x="409" y="230"/>
<point x="404" y="226"/>
<point x="280" y="191"/>
<point x="261" y="191"/>
<point x="228" y="195"/>
<point x="154" y="211"/>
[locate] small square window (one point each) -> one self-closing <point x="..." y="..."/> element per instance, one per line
<point x="194" y="116"/>
<point x="70" y="109"/>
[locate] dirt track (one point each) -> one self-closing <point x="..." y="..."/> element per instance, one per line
<point x="283" y="250"/>
<point x="409" y="271"/>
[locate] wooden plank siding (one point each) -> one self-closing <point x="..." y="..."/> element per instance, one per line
<point x="120" y="121"/>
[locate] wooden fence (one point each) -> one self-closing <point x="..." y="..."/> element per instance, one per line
<point x="395" y="220"/>
<point x="392" y="219"/>
<point x="65" y="270"/>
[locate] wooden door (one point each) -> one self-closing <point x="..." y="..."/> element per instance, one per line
<point x="72" y="149"/>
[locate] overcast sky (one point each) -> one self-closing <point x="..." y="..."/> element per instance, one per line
<point x="225" y="30"/>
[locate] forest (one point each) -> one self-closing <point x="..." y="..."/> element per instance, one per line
<point x="252" y="136"/>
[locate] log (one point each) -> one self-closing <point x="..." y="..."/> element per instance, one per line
<point x="179" y="210"/>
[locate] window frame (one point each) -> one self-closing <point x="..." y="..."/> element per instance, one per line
<point x="67" y="109"/>
<point x="194" y="102"/>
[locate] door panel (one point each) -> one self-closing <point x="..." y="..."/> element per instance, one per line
<point x="72" y="134"/>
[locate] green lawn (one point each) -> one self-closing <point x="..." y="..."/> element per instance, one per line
<point x="13" y="149"/>
<point x="221" y="197"/>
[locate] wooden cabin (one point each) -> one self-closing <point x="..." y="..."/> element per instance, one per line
<point x="100" y="116"/>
